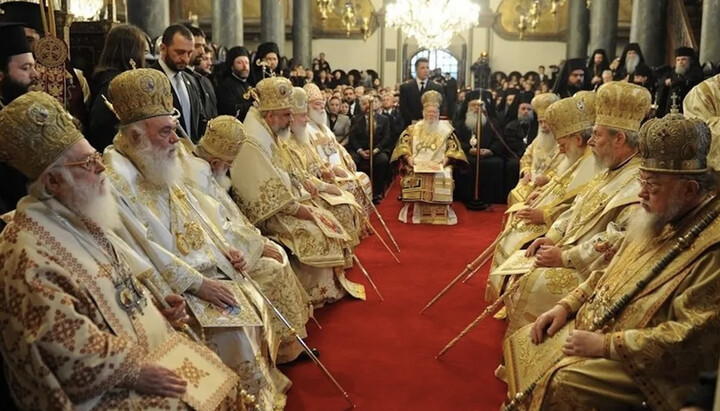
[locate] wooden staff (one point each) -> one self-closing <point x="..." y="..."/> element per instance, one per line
<point x="367" y="221"/>
<point x="371" y="126"/>
<point x="489" y="310"/>
<point x="476" y="204"/>
<point x="482" y="257"/>
<point x="219" y="242"/>
<point x="367" y="275"/>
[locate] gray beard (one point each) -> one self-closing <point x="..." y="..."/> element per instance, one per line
<point x="631" y="64"/>
<point x="645" y="226"/>
<point x="681" y="70"/>
<point x="574" y="153"/>
<point x="160" y="169"/>
<point x="471" y="118"/>
<point x="318" y="117"/>
<point x="429" y="127"/>
<point x="544" y="140"/>
<point x="300" y="134"/>
<point x="525" y="118"/>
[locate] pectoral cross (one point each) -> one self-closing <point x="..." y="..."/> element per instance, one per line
<point x="674" y="106"/>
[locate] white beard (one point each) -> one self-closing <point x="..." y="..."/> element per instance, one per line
<point x="544" y="141"/>
<point x="159" y="168"/>
<point x="318" y="117"/>
<point x="429" y="127"/>
<point x="681" y="70"/>
<point x="574" y="153"/>
<point x="299" y="133"/>
<point x="645" y="226"/>
<point x="95" y="202"/>
<point x="631" y="63"/>
<point x="471" y="120"/>
<point x="223" y="181"/>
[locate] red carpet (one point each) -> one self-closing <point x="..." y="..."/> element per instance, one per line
<point x="382" y="353"/>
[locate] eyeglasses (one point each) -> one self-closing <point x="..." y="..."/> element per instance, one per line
<point x="650" y="187"/>
<point x="88" y="163"/>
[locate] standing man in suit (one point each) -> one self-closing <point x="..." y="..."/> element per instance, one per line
<point x="410" y="92"/>
<point x="203" y="84"/>
<point x="175" y="53"/>
<point x="359" y="146"/>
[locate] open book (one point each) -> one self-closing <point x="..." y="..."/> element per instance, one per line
<point x="210" y="316"/>
<point x="427" y="167"/>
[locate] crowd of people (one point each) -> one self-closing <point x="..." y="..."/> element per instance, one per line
<point x="165" y="246"/>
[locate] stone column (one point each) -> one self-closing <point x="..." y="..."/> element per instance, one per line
<point x="302" y="33"/>
<point x="603" y="26"/>
<point x="151" y="16"/>
<point x="227" y="23"/>
<point x="648" y="29"/>
<point x="710" y="32"/>
<point x="577" y="34"/>
<point x="272" y="24"/>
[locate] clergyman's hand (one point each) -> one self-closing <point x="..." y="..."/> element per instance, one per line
<point x="541" y="180"/>
<point x="531" y="215"/>
<point x="176" y="313"/>
<point x="549" y="256"/>
<point x="157" y="380"/>
<point x="552" y="320"/>
<point x="304" y="213"/>
<point x="271" y="251"/>
<point x="237" y="259"/>
<point x="526" y="177"/>
<point x="410" y="161"/>
<point x="584" y="344"/>
<point x="536" y="245"/>
<point x="340" y="172"/>
<point x="216" y="293"/>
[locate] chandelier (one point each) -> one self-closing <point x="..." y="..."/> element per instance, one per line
<point x="350" y="12"/>
<point x="531" y="11"/>
<point x="86" y="9"/>
<point x="432" y="23"/>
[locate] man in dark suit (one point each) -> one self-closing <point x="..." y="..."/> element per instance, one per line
<point x="359" y="146"/>
<point x="394" y="117"/>
<point x="202" y="82"/>
<point x="353" y="101"/>
<point x="175" y="53"/>
<point x="410" y="92"/>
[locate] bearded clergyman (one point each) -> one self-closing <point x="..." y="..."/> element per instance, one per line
<point x="274" y="199"/>
<point x="570" y="122"/>
<point x="637" y="334"/>
<point x="339" y="166"/>
<point x="306" y="164"/>
<point x="79" y="328"/>
<point x="541" y="158"/>
<point x="428" y="150"/>
<point x="585" y="237"/>
<point x="207" y="178"/>
<point x="167" y="221"/>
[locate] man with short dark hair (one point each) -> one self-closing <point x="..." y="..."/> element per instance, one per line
<point x="412" y="90"/>
<point x="203" y="84"/>
<point x="176" y="51"/>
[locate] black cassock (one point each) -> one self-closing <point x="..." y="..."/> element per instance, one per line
<point x="496" y="171"/>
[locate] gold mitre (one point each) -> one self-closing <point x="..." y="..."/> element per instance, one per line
<point x="299" y="101"/>
<point x="431" y="98"/>
<point x="139" y="94"/>
<point x="273" y="93"/>
<point x="541" y="102"/>
<point x="223" y="137"/>
<point x="36" y="131"/>
<point x="570" y="115"/>
<point x="622" y="105"/>
<point x="313" y="92"/>
<point x="674" y="145"/>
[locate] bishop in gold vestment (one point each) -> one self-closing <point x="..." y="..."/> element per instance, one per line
<point x="570" y="120"/>
<point x="166" y="220"/>
<point x="428" y="150"/>
<point x="583" y="238"/>
<point x="79" y="329"/>
<point x="268" y="264"/>
<point x="338" y="166"/>
<point x="644" y="328"/>
<point x="541" y="157"/>
<point x="703" y="102"/>
<point x="274" y="199"/>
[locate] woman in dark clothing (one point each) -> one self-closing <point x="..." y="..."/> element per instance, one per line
<point x="124" y="43"/>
